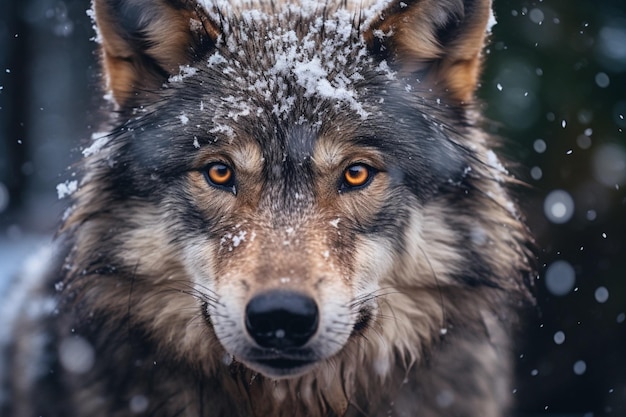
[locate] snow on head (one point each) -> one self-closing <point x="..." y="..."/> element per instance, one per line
<point x="98" y="141"/>
<point x="492" y="21"/>
<point x="66" y="188"/>
<point x="184" y="72"/>
<point x="278" y="59"/>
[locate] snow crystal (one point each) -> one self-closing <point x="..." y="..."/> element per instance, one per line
<point x="602" y="80"/>
<point x="138" y="404"/>
<point x="580" y="367"/>
<point x="92" y="15"/>
<point x="559" y="337"/>
<point x="99" y="140"/>
<point x="558" y="206"/>
<point x="66" y="188"/>
<point x="238" y="238"/>
<point x="583" y="142"/>
<point x="536" y="16"/>
<point x="540" y="146"/>
<point x="232" y="241"/>
<point x="611" y="41"/>
<point x="609" y="164"/>
<point x="383" y="67"/>
<point x="335" y="223"/>
<point x="591" y="215"/>
<point x="492" y="20"/>
<point x="373" y="10"/>
<point x="195" y="25"/>
<point x="601" y="294"/>
<point x="313" y="77"/>
<point x="183" y="119"/>
<point x="184" y="72"/>
<point x="216" y="59"/>
<point x="560" y="278"/>
<point x="76" y="354"/>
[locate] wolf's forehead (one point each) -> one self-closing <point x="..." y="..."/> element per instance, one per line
<point x="281" y="60"/>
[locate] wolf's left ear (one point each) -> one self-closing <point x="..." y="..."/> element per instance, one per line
<point x="443" y="38"/>
<point x="146" y="41"/>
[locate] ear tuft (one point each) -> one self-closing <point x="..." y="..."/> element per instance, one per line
<point x="145" y="41"/>
<point x="443" y="38"/>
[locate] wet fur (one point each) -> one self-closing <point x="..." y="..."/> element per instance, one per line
<point x="418" y="275"/>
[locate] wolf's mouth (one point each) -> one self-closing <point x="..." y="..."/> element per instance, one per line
<point x="281" y="364"/>
<point x="284" y="363"/>
<point x="363" y="322"/>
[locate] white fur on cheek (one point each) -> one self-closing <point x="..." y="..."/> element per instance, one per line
<point x="375" y="259"/>
<point x="200" y="267"/>
<point x="429" y="255"/>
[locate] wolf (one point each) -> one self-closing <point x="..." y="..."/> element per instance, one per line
<point x="294" y="211"/>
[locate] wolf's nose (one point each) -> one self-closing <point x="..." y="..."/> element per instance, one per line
<point x="281" y="319"/>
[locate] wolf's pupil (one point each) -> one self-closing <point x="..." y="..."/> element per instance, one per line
<point x="220" y="174"/>
<point x="356" y="175"/>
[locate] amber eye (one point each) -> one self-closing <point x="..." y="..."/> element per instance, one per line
<point x="357" y="175"/>
<point x="220" y="175"/>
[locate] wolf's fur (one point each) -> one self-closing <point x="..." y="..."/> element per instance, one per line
<point x="415" y="275"/>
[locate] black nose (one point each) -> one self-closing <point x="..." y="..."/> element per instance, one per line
<point x="281" y="319"/>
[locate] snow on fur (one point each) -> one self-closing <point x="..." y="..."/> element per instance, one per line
<point x="327" y="71"/>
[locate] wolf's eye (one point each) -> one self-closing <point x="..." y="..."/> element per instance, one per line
<point x="220" y="176"/>
<point x="357" y="175"/>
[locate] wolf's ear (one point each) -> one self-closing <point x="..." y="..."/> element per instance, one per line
<point x="443" y="38"/>
<point x="145" y="41"/>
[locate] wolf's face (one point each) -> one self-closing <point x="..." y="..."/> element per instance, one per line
<point x="291" y="247"/>
<point x="284" y="168"/>
<point x="300" y="189"/>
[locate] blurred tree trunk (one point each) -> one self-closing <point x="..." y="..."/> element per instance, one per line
<point x="13" y="100"/>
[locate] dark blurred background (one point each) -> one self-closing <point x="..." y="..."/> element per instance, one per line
<point x="555" y="84"/>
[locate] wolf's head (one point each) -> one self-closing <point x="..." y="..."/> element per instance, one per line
<point x="295" y="186"/>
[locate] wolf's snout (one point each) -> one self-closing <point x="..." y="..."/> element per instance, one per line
<point x="281" y="319"/>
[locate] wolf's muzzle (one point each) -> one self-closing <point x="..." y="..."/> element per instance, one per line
<point x="281" y="319"/>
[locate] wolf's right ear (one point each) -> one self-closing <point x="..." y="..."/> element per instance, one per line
<point x="146" y="41"/>
<point x="442" y="38"/>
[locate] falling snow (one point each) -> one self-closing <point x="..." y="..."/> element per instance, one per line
<point x="559" y="338"/>
<point x="551" y="52"/>
<point x="601" y="294"/>
<point x="560" y="278"/>
<point x="558" y="206"/>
